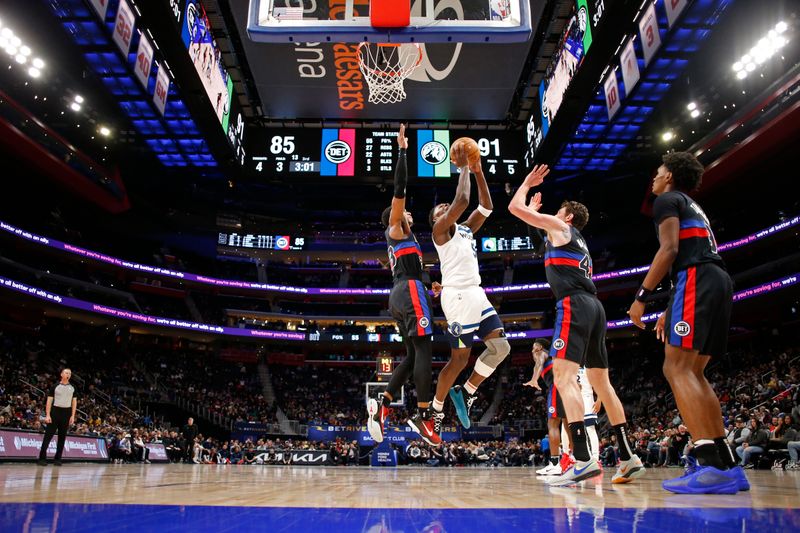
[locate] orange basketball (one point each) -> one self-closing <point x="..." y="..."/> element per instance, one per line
<point x="469" y="148"/>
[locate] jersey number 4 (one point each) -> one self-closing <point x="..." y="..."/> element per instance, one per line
<point x="586" y="266"/>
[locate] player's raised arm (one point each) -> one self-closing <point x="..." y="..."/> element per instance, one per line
<point x="485" y="205"/>
<point x="529" y="213"/>
<point x="441" y="227"/>
<point x="398" y="227"/>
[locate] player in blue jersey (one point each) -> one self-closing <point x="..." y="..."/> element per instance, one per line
<point x="695" y="325"/>
<point x="579" y="338"/>
<point x="410" y="305"/>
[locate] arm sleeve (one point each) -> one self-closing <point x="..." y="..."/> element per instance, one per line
<point x="537" y="240"/>
<point x="400" y="175"/>
<point x="667" y="205"/>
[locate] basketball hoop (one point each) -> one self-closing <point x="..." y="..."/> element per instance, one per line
<point x="385" y="67"/>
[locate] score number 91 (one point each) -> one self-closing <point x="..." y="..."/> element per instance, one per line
<point x="492" y="148"/>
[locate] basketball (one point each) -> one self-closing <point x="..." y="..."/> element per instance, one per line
<point x="469" y="147"/>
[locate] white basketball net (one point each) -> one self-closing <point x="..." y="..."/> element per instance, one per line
<point x="386" y="67"/>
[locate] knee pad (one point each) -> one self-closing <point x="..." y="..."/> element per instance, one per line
<point x="496" y="351"/>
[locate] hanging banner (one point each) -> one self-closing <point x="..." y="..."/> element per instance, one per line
<point x="612" y="94"/>
<point x="101" y="7"/>
<point x="674" y="10"/>
<point x="630" y="67"/>
<point x="648" y="31"/>
<point x="144" y="60"/>
<point x="123" y="27"/>
<point x="162" y="88"/>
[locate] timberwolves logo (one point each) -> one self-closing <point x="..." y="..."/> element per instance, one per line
<point x="456" y="329"/>
<point x="582" y="19"/>
<point x="424" y="322"/>
<point x="337" y="152"/>
<point x="559" y="344"/>
<point x="682" y="329"/>
<point x="433" y="152"/>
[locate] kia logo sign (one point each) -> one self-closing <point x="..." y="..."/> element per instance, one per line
<point x="337" y="152"/>
<point x="433" y="152"/>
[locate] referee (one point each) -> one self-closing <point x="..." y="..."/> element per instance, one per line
<point x="62" y="403"/>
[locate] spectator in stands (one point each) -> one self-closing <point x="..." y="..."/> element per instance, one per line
<point x="121" y="448"/>
<point x="754" y="445"/>
<point x="140" y="452"/>
<point x="677" y="447"/>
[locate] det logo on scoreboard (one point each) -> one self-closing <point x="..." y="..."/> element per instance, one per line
<point x="283" y="242"/>
<point x="338" y="152"/>
<point x="433" y="153"/>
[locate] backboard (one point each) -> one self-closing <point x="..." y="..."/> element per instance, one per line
<point x="348" y="21"/>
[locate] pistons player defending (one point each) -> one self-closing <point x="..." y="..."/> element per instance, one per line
<point x="695" y="325"/>
<point x="580" y="331"/>
<point x="466" y="308"/>
<point x="410" y="305"/>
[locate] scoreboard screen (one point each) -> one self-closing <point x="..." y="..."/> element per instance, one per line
<point x="506" y="244"/>
<point x="346" y="152"/>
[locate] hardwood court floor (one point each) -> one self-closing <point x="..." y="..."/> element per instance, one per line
<point x="350" y="499"/>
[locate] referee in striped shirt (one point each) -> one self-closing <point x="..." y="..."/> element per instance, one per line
<point x="62" y="402"/>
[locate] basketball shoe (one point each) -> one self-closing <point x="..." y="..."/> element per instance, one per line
<point x="377" y="413"/>
<point x="704" y="480"/>
<point x="423" y="423"/>
<point x="578" y="472"/>
<point x="692" y="466"/>
<point x="566" y="462"/>
<point x="463" y="402"/>
<point x="549" y="470"/>
<point x="628" y="470"/>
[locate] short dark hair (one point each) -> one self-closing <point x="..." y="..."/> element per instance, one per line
<point x="430" y="216"/>
<point x="385" y="216"/>
<point x="543" y="342"/>
<point x="579" y="212"/>
<point x="687" y="171"/>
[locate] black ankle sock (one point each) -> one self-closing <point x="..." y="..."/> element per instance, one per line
<point x="707" y="455"/>
<point x="580" y="446"/>
<point x="622" y="442"/>
<point x="554" y="461"/>
<point x="725" y="452"/>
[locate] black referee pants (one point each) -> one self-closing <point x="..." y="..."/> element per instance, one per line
<point x="60" y="423"/>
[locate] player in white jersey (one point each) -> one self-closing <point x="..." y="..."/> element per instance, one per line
<point x="589" y="416"/>
<point x="466" y="308"/>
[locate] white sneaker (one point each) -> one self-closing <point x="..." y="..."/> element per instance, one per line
<point x="549" y="470"/>
<point x="376" y="415"/>
<point x="629" y="470"/>
<point x="578" y="472"/>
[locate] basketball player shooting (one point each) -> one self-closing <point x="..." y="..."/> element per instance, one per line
<point x="695" y="326"/>
<point x="410" y="305"/>
<point x="580" y="332"/>
<point x="464" y="302"/>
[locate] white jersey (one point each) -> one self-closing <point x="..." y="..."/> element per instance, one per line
<point x="458" y="259"/>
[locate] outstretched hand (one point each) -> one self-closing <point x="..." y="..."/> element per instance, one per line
<point x="536" y="176"/>
<point x="402" y="140"/>
<point x="436" y="287"/>
<point x="536" y="202"/>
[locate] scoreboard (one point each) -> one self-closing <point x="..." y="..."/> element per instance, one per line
<point x="347" y="152"/>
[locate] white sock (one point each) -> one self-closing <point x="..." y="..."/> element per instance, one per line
<point x="437" y="405"/>
<point x="470" y="388"/>
<point x="594" y="442"/>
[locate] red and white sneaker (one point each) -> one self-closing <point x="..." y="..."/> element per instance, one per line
<point x="377" y="414"/>
<point x="426" y="427"/>
<point x="566" y="461"/>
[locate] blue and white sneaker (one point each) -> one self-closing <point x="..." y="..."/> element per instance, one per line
<point x="462" y="400"/>
<point x="704" y="480"/>
<point x="580" y="471"/>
